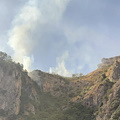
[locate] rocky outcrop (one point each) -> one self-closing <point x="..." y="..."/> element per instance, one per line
<point x="16" y="88"/>
<point x="94" y="97"/>
<point x="105" y="95"/>
<point x="10" y="91"/>
<point x="108" y="61"/>
<point x="115" y="72"/>
<point x="110" y="110"/>
<point x="54" y="84"/>
<point x="58" y="85"/>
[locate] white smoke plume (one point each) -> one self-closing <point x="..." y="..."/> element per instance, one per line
<point x="61" y="68"/>
<point x="33" y="14"/>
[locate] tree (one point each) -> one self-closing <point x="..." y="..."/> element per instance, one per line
<point x="4" y="56"/>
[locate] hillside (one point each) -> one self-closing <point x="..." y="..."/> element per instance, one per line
<point x="43" y="96"/>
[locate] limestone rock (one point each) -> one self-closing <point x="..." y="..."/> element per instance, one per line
<point x="115" y="72"/>
<point x="108" y="61"/>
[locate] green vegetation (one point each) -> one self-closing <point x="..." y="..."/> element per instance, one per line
<point x="50" y="109"/>
<point x="77" y="112"/>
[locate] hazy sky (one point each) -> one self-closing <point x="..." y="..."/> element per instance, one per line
<point x="62" y="36"/>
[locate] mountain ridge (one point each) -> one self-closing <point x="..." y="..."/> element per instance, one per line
<point x="39" y="95"/>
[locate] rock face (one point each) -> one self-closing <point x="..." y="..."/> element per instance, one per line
<point x="54" y="84"/>
<point x="108" y="61"/>
<point x="110" y="110"/>
<point x="58" y="85"/>
<point x="14" y="83"/>
<point x="105" y="95"/>
<point x="103" y="92"/>
<point x="115" y="72"/>
<point x="94" y="97"/>
<point x="10" y="90"/>
<point x="45" y="96"/>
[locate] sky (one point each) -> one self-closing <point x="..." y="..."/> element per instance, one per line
<point x="60" y="36"/>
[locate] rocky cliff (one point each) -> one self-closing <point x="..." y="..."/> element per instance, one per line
<point x="39" y="95"/>
<point x="17" y="90"/>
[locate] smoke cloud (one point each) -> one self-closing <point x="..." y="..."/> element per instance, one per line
<point x="33" y="14"/>
<point x="61" y="68"/>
